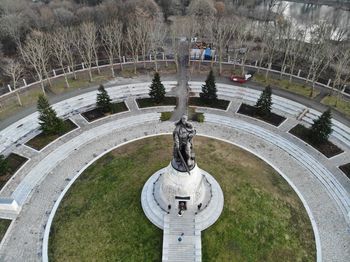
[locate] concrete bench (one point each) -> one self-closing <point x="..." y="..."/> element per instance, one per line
<point x="250" y="96"/>
<point x="340" y="131"/>
<point x="24" y="127"/>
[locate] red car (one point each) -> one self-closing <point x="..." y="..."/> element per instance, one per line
<point x="241" y="79"/>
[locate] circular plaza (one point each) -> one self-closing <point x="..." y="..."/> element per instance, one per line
<point x="44" y="189"/>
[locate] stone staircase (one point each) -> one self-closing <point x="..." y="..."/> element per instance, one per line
<point x="181" y="240"/>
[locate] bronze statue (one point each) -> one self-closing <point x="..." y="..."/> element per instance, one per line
<point x="184" y="158"/>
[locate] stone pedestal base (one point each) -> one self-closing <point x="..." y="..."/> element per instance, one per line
<point x="168" y="188"/>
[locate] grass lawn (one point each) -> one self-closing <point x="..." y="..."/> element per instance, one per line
<point x="327" y="148"/>
<point x="59" y="85"/>
<point x="218" y="104"/>
<point x="148" y="102"/>
<point x="40" y="141"/>
<point x="101" y="218"/>
<point x="342" y="105"/>
<point x="284" y="84"/>
<point x="4" y="224"/>
<point x="11" y="106"/>
<point x="14" y="162"/>
<point x="97" y="113"/>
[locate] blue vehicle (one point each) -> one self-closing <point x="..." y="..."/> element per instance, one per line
<point x="207" y="54"/>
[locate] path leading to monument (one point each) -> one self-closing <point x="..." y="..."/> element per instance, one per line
<point x="181" y="90"/>
<point x="180" y="240"/>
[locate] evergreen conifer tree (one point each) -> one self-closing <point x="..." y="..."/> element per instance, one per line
<point x="208" y="94"/>
<point x="157" y="89"/>
<point x="264" y="103"/>
<point x="103" y="100"/>
<point x="3" y="165"/>
<point x="321" y="128"/>
<point x="48" y="120"/>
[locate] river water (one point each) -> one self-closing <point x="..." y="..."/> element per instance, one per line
<point x="305" y="14"/>
<point x="308" y="13"/>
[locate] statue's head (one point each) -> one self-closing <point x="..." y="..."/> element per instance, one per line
<point x="184" y="119"/>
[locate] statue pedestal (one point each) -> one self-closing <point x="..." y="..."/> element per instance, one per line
<point x="174" y="186"/>
<point x="169" y="190"/>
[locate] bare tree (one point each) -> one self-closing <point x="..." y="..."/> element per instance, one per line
<point x="64" y="16"/>
<point x="183" y="27"/>
<point x="296" y="46"/>
<point x="112" y="36"/>
<point x="166" y="6"/>
<point x="174" y="33"/>
<point x="342" y="69"/>
<point x="69" y="48"/>
<point x="57" y="42"/>
<point x="36" y="53"/>
<point x="11" y="26"/>
<point x="269" y="7"/>
<point x="320" y="52"/>
<point x="157" y="36"/>
<point x="143" y="35"/>
<point x="203" y="11"/>
<point x="240" y="36"/>
<point x="85" y="41"/>
<point x="271" y="41"/>
<point x="14" y="70"/>
<point x="223" y="31"/>
<point x="133" y="41"/>
<point x="261" y="33"/>
<point x="285" y="42"/>
<point x="16" y="19"/>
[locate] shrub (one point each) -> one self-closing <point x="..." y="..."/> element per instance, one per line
<point x="4" y="167"/>
<point x="165" y="116"/>
<point x="199" y="117"/>
<point x="264" y="103"/>
<point x="48" y="120"/>
<point x="209" y="90"/>
<point x="103" y="100"/>
<point x="321" y="128"/>
<point x="157" y="89"/>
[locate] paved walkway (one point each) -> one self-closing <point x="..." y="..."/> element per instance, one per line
<point x="181" y="90"/>
<point x="182" y="235"/>
<point x="321" y="186"/>
<point x="181" y="242"/>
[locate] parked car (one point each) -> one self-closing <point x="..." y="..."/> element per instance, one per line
<point x="241" y="79"/>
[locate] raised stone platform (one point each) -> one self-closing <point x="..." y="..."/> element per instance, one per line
<point x="161" y="198"/>
<point x="212" y="199"/>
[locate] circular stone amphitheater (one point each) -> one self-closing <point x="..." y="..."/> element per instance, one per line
<point x="33" y="196"/>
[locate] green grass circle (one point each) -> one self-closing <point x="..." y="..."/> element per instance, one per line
<point x="101" y="219"/>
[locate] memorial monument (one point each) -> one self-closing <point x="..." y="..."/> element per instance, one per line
<point x="182" y="199"/>
<point x="183" y="156"/>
